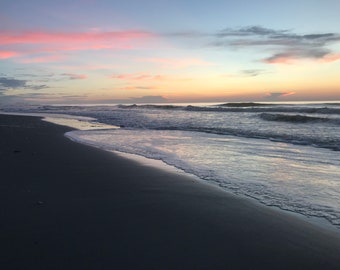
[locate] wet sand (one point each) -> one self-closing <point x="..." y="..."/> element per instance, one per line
<point x="70" y="206"/>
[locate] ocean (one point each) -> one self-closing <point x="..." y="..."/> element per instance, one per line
<point x="285" y="155"/>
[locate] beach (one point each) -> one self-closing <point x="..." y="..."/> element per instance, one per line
<point x="65" y="205"/>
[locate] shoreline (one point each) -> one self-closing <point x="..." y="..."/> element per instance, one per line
<point x="320" y="222"/>
<point x="69" y="205"/>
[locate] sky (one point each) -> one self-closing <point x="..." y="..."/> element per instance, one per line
<point x="92" y="51"/>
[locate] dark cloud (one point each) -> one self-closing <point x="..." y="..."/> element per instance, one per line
<point x="37" y="87"/>
<point x="248" y="31"/>
<point x="296" y="53"/>
<point x="327" y="36"/>
<point x="282" y="44"/>
<point x="271" y="35"/>
<point x="9" y="83"/>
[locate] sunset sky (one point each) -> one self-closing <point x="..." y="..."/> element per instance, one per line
<point x="133" y="51"/>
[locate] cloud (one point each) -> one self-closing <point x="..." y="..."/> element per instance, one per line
<point x="8" y="54"/>
<point x="37" y="87"/>
<point x="284" y="45"/>
<point x="138" y="88"/>
<point x="252" y="72"/>
<point x="246" y="73"/>
<point x="9" y="83"/>
<point x="91" y="38"/>
<point x="147" y="78"/>
<point x="280" y="58"/>
<point x="277" y="95"/>
<point x="330" y="58"/>
<point x="177" y="63"/>
<point x="248" y="31"/>
<point x="73" y="76"/>
<point x="138" y="77"/>
<point x="28" y="43"/>
<point x="293" y="54"/>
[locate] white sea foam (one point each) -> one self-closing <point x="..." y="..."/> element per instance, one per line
<point x="292" y="178"/>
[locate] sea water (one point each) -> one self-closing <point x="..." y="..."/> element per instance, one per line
<point x="284" y="155"/>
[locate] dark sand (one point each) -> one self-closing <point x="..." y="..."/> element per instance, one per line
<point x="69" y="206"/>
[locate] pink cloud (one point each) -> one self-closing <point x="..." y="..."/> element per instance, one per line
<point x="73" y="76"/>
<point x="330" y="58"/>
<point x="275" y="95"/>
<point x="139" y="77"/>
<point x="8" y="54"/>
<point x="291" y="58"/>
<point x="288" y="94"/>
<point x="178" y="63"/>
<point x="41" y="37"/>
<point x="139" y="88"/>
<point x="88" y="67"/>
<point x="280" y="59"/>
<point x="28" y="43"/>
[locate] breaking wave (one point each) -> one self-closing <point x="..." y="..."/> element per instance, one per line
<point x="296" y="118"/>
<point x="245" y="107"/>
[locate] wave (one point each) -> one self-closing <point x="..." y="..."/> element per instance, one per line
<point x="245" y="104"/>
<point x="332" y="144"/>
<point x="150" y="106"/>
<point x="259" y="109"/>
<point x="251" y="107"/>
<point x="322" y="130"/>
<point x="296" y="118"/>
<point x="227" y="107"/>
